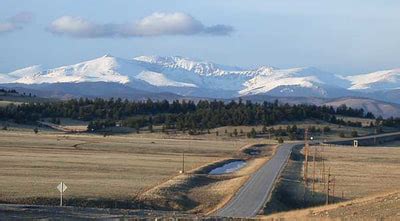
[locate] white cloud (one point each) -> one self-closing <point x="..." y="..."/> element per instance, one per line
<point x="16" y="22"/>
<point x="7" y="27"/>
<point x="156" y="24"/>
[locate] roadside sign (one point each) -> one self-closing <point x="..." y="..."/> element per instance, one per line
<point x="62" y="187"/>
<point x="355" y="143"/>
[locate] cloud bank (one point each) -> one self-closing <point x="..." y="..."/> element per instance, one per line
<point x="16" y="22"/>
<point x="156" y="24"/>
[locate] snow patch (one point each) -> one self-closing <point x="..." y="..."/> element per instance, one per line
<point x="160" y="80"/>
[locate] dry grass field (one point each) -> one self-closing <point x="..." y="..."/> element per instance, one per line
<point x="384" y="206"/>
<point x="199" y="192"/>
<point x="358" y="172"/>
<point x="95" y="167"/>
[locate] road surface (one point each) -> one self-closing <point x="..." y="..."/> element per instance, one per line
<point x="256" y="191"/>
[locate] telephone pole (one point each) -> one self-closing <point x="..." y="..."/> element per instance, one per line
<point x="323" y="170"/>
<point x="313" y="183"/>
<point x="306" y="156"/>
<point x="183" y="162"/>
<point x="305" y="164"/>
<point x="328" y="186"/>
<point x="333" y="189"/>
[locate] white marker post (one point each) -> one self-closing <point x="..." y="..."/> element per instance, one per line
<point x="61" y="187"/>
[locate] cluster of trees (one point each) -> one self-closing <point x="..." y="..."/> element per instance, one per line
<point x="7" y="91"/>
<point x="182" y="115"/>
<point x="13" y="92"/>
<point x="389" y="122"/>
<point x="353" y="133"/>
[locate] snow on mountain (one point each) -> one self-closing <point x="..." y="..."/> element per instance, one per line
<point x="189" y="77"/>
<point x="178" y="62"/>
<point x="29" y="71"/>
<point x="15" y="75"/>
<point x="103" y="69"/>
<point x="158" y="79"/>
<point x="243" y="82"/>
<point x="268" y="79"/>
<point x="380" y="80"/>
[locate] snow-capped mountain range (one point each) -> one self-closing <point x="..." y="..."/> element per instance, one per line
<point x="188" y="77"/>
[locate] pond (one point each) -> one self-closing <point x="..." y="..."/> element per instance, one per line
<point x="228" y="167"/>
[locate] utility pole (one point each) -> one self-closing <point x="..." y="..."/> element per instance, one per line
<point x="183" y="162"/>
<point x="333" y="189"/>
<point x="323" y="170"/>
<point x="305" y="164"/>
<point x="306" y="156"/>
<point x="313" y="183"/>
<point x="328" y="186"/>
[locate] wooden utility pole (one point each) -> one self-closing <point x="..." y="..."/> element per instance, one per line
<point x="313" y="182"/>
<point x="328" y="186"/>
<point x="323" y="170"/>
<point x="305" y="165"/>
<point x="183" y="162"/>
<point x="333" y="189"/>
<point x="306" y="156"/>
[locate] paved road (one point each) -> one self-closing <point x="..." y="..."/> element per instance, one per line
<point x="255" y="192"/>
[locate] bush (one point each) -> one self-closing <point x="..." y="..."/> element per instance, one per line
<point x="354" y="133"/>
<point x="235" y="132"/>
<point x="252" y="133"/>
<point x="341" y="134"/>
<point x="327" y="129"/>
<point x="280" y="140"/>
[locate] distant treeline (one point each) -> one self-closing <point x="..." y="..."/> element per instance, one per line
<point x="183" y="115"/>
<point x="8" y="91"/>
<point x="13" y="92"/>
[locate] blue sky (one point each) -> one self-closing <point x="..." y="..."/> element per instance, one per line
<point x="341" y="36"/>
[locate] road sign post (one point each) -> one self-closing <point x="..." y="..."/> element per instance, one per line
<point x="61" y="187"/>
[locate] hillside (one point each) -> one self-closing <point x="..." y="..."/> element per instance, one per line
<point x="377" y="107"/>
<point x="377" y="207"/>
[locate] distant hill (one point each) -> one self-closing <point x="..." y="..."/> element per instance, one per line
<point x="378" y="108"/>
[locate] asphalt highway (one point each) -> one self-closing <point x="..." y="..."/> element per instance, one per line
<point x="256" y="191"/>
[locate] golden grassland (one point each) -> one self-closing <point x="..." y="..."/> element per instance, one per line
<point x="92" y="166"/>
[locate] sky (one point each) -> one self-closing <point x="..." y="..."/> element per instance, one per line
<point x="338" y="36"/>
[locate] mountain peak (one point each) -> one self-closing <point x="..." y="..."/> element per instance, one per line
<point x="107" y="56"/>
<point x="193" y="65"/>
<point x="379" y="80"/>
